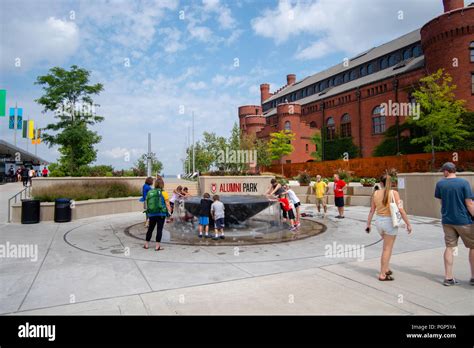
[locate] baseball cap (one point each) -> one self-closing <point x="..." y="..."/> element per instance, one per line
<point x="448" y="166"/>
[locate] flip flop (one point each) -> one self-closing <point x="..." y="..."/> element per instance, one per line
<point x="159" y="248"/>
<point x="387" y="278"/>
<point x="145" y="247"/>
<point x="389" y="273"/>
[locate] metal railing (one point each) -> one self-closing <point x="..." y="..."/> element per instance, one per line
<point x="25" y="192"/>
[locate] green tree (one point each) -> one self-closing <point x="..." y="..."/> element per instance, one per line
<point x="280" y="145"/>
<point x="68" y="94"/>
<point x="388" y="146"/>
<point x="440" y="114"/>
<point x="141" y="165"/>
<point x="316" y="139"/>
<point x="339" y="147"/>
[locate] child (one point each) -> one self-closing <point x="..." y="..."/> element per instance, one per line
<point x="147" y="186"/>
<point x="185" y="193"/>
<point x="177" y="194"/>
<point x="218" y="213"/>
<point x="287" y="210"/>
<point x="204" y="213"/>
<point x="295" y="201"/>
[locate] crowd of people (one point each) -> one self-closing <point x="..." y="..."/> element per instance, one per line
<point x="25" y="174"/>
<point x="386" y="209"/>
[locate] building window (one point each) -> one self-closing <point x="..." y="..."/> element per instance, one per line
<point x="346" y="77"/>
<point x="331" y="129"/>
<point x="312" y="124"/>
<point x="407" y="54"/>
<point x="307" y="148"/>
<point x="472" y="83"/>
<point x="362" y="71"/>
<point x="378" y="121"/>
<point x="287" y="125"/>
<point x="370" y="68"/>
<point x="417" y="51"/>
<point x="471" y="47"/>
<point x="346" y="126"/>
<point x="392" y="60"/>
<point x="352" y="75"/>
<point x="383" y="63"/>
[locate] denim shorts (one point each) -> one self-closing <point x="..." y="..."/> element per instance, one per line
<point x="384" y="225"/>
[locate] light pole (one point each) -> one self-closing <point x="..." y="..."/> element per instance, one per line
<point x="194" y="155"/>
<point x="148" y="157"/>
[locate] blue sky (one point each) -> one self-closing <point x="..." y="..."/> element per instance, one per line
<point x="156" y="58"/>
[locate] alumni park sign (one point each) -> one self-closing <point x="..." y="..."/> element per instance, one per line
<point x="234" y="185"/>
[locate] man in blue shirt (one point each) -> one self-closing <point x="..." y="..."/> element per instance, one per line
<point x="457" y="209"/>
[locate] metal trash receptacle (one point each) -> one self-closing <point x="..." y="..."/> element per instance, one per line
<point x="30" y="211"/>
<point x="62" y="210"/>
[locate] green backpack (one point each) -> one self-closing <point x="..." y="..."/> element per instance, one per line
<point x="155" y="203"/>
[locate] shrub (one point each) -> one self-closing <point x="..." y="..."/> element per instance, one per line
<point x="345" y="175"/>
<point x="88" y="190"/>
<point x="304" y="178"/>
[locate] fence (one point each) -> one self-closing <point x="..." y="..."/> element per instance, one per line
<point x="374" y="166"/>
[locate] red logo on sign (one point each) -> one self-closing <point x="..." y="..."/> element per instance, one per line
<point x="213" y="188"/>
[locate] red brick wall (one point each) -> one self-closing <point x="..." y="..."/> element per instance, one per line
<point x="446" y="38"/>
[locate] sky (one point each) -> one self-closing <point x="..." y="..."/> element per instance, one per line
<point x="162" y="60"/>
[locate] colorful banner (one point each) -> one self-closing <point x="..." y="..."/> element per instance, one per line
<point x="25" y="129"/>
<point x="3" y="102"/>
<point x="31" y="129"/>
<point x="11" y="123"/>
<point x="19" y="118"/>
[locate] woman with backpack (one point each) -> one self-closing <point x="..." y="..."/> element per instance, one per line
<point x="158" y="208"/>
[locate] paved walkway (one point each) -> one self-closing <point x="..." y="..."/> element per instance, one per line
<point x="92" y="267"/>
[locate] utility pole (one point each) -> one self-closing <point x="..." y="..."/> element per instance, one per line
<point x="194" y="153"/>
<point x="148" y="157"/>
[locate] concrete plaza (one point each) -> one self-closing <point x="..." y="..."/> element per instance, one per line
<point x="92" y="266"/>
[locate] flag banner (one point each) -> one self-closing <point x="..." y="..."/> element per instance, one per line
<point x="31" y="129"/>
<point x="11" y="123"/>
<point x="38" y="133"/>
<point x="25" y="129"/>
<point x="3" y="102"/>
<point x="19" y="118"/>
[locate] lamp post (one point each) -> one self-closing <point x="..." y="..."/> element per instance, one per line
<point x="148" y="157"/>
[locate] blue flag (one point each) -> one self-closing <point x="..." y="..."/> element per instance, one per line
<point x="11" y="123"/>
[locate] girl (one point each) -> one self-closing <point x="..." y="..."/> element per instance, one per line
<point x="380" y="205"/>
<point x="158" y="219"/>
<point x="295" y="201"/>
<point x="175" y="198"/>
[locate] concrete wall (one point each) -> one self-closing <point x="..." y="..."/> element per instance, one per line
<point x="85" y="209"/>
<point x="242" y="185"/>
<point x="418" y="192"/>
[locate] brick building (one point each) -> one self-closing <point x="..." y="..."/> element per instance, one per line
<point x="346" y="98"/>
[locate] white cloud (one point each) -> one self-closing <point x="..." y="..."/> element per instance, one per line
<point x="344" y="25"/>
<point x="201" y="33"/>
<point x="49" y="41"/>
<point x="195" y="86"/>
<point x="172" y="41"/>
<point x="225" y="18"/>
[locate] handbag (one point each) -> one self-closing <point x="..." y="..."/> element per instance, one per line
<point x="394" y="211"/>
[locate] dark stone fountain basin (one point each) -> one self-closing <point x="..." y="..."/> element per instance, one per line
<point x="237" y="208"/>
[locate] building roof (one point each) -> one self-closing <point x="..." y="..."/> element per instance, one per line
<point x="9" y="150"/>
<point x="364" y="57"/>
<point x="411" y="64"/>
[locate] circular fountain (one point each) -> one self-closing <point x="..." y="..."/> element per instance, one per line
<point x="248" y="219"/>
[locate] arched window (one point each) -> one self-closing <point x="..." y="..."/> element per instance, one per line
<point x="471" y="48"/>
<point x="331" y="129"/>
<point x="346" y="126"/>
<point x="383" y="63"/>
<point x="370" y="68"/>
<point x="417" y="51"/>
<point x="312" y="124"/>
<point x="392" y="60"/>
<point x="378" y="121"/>
<point x="362" y="71"/>
<point x="307" y="148"/>
<point x="346" y="77"/>
<point x="352" y="75"/>
<point x="407" y="54"/>
<point x="287" y="125"/>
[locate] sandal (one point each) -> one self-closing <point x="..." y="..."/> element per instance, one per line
<point x="387" y="278"/>
<point x="389" y="273"/>
<point x="159" y="248"/>
<point x="145" y="247"/>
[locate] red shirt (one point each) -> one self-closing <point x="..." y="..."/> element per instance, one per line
<point x="45" y="171"/>
<point x="285" y="203"/>
<point x="338" y="186"/>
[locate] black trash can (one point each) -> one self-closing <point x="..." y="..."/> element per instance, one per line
<point x="62" y="210"/>
<point x="30" y="211"/>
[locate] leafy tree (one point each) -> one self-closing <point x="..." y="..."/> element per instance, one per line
<point x="440" y="114"/>
<point x="316" y="139"/>
<point x="336" y="148"/>
<point x="69" y="95"/>
<point x="141" y="165"/>
<point x="280" y="145"/>
<point x="388" y="146"/>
